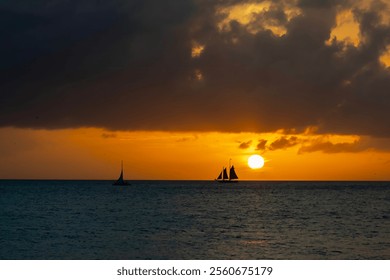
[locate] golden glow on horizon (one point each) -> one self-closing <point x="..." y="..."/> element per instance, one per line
<point x="255" y="162"/>
<point x="96" y="154"/>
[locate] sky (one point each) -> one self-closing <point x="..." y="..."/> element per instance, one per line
<point x="176" y="89"/>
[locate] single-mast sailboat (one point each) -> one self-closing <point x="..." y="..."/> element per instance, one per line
<point x="224" y="178"/>
<point x="120" y="181"/>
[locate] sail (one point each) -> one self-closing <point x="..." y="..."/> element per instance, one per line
<point x="120" y="176"/>
<point x="224" y="175"/>
<point x="120" y="180"/>
<point x="232" y="174"/>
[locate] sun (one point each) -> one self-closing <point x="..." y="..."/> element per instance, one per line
<point x="255" y="161"/>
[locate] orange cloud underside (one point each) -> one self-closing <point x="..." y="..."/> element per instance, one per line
<point x="346" y="29"/>
<point x="385" y="58"/>
<point x="246" y="14"/>
<point x="96" y="154"/>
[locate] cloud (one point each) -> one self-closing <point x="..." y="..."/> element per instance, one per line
<point x="261" y="145"/>
<point x="284" y="143"/>
<point x="109" y="135"/>
<point x="187" y="139"/>
<point x="128" y="65"/>
<point x="245" y="145"/>
<point x="328" y="145"/>
<point x="331" y="148"/>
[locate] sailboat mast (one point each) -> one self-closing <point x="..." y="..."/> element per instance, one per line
<point x="229" y="168"/>
<point x="121" y="170"/>
<point x="120" y="181"/>
<point x="225" y="177"/>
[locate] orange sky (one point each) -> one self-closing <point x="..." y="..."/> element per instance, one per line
<point x="96" y="154"/>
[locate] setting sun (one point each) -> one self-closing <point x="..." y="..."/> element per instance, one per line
<point x="255" y="161"/>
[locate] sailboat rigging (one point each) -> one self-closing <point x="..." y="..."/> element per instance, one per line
<point x="223" y="177"/>
<point x="120" y="181"/>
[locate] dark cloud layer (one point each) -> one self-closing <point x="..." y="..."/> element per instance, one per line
<point x="127" y="65"/>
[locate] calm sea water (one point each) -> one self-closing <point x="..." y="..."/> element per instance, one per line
<point x="194" y="220"/>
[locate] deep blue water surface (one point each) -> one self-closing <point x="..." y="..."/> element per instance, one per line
<point x="194" y="220"/>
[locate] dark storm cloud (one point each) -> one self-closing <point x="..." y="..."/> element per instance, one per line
<point x="127" y="65"/>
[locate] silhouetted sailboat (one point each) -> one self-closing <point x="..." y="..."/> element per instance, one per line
<point x="224" y="178"/>
<point x="120" y="181"/>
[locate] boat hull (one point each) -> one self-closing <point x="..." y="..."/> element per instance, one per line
<point x="226" y="181"/>
<point x="121" y="184"/>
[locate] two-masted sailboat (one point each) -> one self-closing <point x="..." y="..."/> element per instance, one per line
<point x="225" y="178"/>
<point x="120" y="181"/>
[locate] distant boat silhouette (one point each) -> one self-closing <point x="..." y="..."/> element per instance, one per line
<point x="120" y="181"/>
<point x="224" y="178"/>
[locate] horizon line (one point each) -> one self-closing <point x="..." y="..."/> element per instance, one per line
<point x="203" y="180"/>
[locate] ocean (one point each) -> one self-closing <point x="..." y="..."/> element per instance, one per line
<point x="83" y="220"/>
